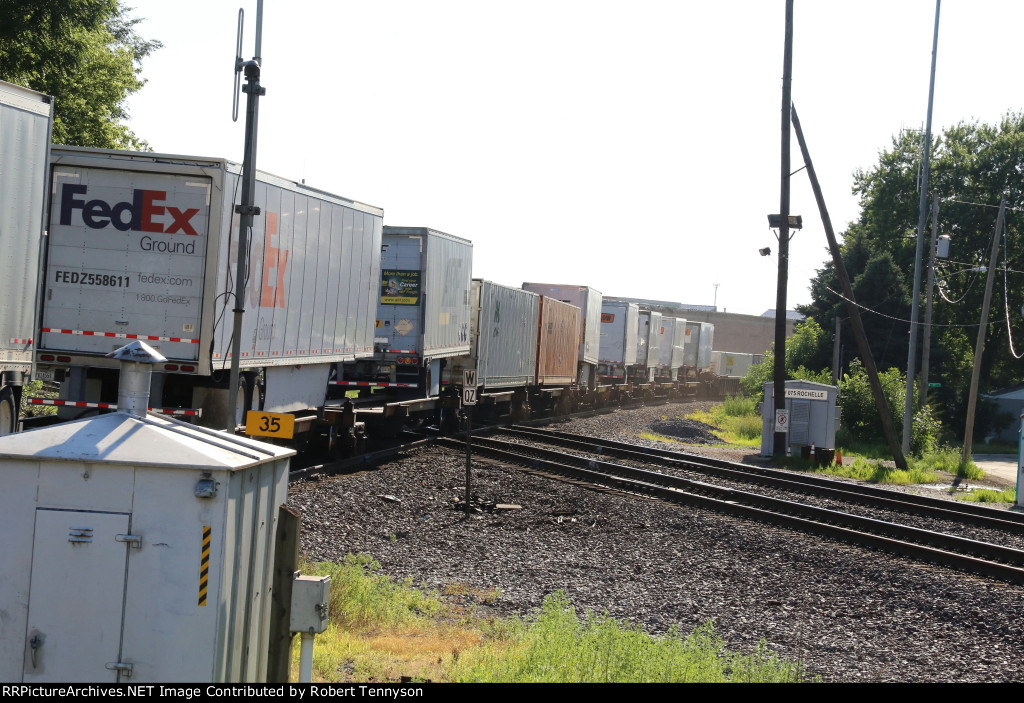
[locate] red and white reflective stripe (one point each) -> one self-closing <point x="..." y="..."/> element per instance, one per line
<point x="113" y="406"/>
<point x="21" y="341"/>
<point x="375" y="384"/>
<point x="400" y="351"/>
<point x="121" y="335"/>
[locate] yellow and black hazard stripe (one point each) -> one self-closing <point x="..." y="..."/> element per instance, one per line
<point x="204" y="564"/>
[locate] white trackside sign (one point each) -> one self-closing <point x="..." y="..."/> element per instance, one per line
<point x="469" y="387"/>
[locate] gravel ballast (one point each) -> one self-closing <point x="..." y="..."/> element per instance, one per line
<point x="848" y="613"/>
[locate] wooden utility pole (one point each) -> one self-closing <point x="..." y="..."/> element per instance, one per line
<point x="851" y="307"/>
<point x="908" y="400"/>
<point x="779" y="444"/>
<point x="926" y="342"/>
<point x="979" y="346"/>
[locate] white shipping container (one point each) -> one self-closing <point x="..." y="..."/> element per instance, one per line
<point x="25" y="122"/>
<point x="619" y="322"/>
<point x="648" y="343"/>
<point x="143" y="246"/>
<point x="504" y="333"/>
<point x="673" y="341"/>
<point x="697" y="349"/>
<point x="735" y="364"/>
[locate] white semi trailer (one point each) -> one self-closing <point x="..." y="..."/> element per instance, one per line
<point x="26" y="120"/>
<point x="144" y="246"/>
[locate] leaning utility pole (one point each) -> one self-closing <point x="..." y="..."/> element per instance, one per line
<point x="908" y="402"/>
<point x="979" y="347"/>
<point x="851" y="307"/>
<point x="779" y="444"/>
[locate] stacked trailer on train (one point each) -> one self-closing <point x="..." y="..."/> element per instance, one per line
<point x="672" y="346"/>
<point x="699" y="379"/>
<point x="422" y="306"/>
<point x="619" y="340"/>
<point x="523" y="349"/>
<point x="143" y="246"/>
<point x="588" y="388"/>
<point x="26" y="120"/>
<point x="648" y="350"/>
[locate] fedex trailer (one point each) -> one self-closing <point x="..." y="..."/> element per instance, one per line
<point x="144" y="246"/>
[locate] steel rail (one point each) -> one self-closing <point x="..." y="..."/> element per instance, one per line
<point x="892" y="537"/>
<point x="965" y="512"/>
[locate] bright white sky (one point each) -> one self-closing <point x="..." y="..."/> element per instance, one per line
<point x="632" y="147"/>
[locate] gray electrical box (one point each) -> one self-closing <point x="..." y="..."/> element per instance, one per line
<point x="812" y="416"/>
<point x="311" y="598"/>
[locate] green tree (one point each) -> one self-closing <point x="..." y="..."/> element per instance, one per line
<point x="973" y="165"/>
<point x="87" y="55"/>
<point x="807" y="352"/>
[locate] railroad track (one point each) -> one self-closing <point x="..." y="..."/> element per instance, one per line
<point x="977" y="556"/>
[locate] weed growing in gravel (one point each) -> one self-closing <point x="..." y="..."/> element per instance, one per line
<point x="947" y="459"/>
<point x="736" y="421"/>
<point x="557" y="646"/>
<point x="875" y="472"/>
<point x="987" y="495"/>
<point x="382" y="630"/>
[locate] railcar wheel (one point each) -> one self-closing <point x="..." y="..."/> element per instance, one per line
<point x="8" y="412"/>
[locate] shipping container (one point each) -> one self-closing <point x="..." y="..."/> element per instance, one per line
<point x="422" y="310"/>
<point x="673" y="339"/>
<point x="731" y="364"/>
<point x="504" y="337"/>
<point x="697" y="347"/>
<point x="648" y="340"/>
<point x="557" y="342"/>
<point x="26" y="118"/>
<point x="588" y="300"/>
<point x="144" y="246"/>
<point x="619" y="324"/>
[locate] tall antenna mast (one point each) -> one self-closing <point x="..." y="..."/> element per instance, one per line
<point x="247" y="210"/>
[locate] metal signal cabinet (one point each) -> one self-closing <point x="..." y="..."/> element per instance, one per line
<point x="557" y="342"/>
<point x="619" y="324"/>
<point x="137" y="550"/>
<point x="588" y="300"/>
<point x="26" y="118"/>
<point x="144" y="246"/>
<point x="672" y="346"/>
<point x="504" y="337"/>
<point x="422" y="302"/>
<point x="814" y="415"/>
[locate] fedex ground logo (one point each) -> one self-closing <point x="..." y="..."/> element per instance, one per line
<point x="144" y="211"/>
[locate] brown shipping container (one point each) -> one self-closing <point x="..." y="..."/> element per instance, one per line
<point x="557" y="342"/>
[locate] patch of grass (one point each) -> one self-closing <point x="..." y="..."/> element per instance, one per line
<point x="557" y="646"/>
<point x="947" y="459"/>
<point x="988" y="495"/>
<point x="382" y="630"/>
<point x="733" y="429"/>
<point x="872" y="471"/>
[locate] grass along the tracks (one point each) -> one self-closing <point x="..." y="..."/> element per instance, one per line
<point x="387" y="631"/>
